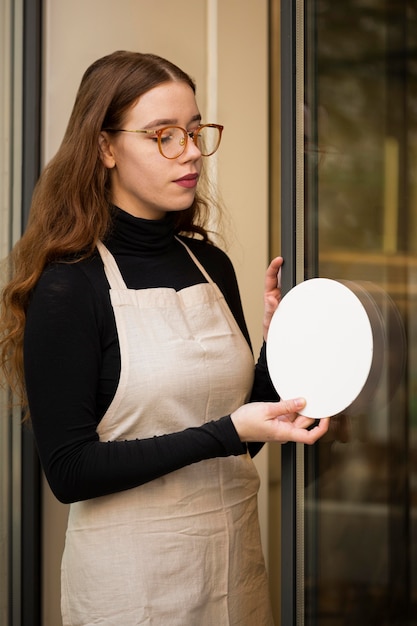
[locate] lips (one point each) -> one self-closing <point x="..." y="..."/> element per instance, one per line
<point x="188" y="181"/>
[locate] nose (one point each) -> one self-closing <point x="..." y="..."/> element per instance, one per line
<point x="192" y="151"/>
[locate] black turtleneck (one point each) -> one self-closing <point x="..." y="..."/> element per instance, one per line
<point x="72" y="363"/>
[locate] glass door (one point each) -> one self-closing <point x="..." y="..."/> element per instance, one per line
<point x="349" y="504"/>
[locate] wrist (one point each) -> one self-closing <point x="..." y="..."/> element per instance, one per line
<point x="238" y="425"/>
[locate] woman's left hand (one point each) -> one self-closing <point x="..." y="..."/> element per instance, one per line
<point x="272" y="292"/>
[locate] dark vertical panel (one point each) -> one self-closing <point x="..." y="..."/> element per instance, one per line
<point x="288" y="142"/>
<point x="288" y="538"/>
<point x="311" y="143"/>
<point x="32" y="63"/>
<point x="288" y="226"/>
<point x="31" y="476"/>
<point x="31" y="534"/>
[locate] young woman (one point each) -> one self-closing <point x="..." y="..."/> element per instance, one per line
<point x="123" y="329"/>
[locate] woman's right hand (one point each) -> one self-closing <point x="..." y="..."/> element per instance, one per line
<point x="277" y="421"/>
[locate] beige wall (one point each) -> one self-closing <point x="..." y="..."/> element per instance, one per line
<point x="223" y="45"/>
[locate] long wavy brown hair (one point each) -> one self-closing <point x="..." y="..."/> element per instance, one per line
<point x="70" y="208"/>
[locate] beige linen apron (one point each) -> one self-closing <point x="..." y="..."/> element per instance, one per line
<point x="184" y="549"/>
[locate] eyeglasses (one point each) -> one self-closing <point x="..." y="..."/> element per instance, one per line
<point x="172" y="140"/>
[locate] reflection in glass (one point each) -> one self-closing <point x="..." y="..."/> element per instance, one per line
<point x="361" y="225"/>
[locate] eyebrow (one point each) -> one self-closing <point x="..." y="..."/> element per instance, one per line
<point x="169" y="122"/>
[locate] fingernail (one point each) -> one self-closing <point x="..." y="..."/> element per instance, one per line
<point x="299" y="403"/>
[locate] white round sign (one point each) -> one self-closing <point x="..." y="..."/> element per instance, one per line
<point x="320" y="346"/>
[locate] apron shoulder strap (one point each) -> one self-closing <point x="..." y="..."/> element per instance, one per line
<point x="111" y="268"/>
<point x="197" y="262"/>
<point x="115" y="278"/>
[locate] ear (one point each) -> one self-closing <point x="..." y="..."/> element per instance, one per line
<point x="106" y="150"/>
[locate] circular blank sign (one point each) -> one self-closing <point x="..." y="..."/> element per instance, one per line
<point x="320" y="346"/>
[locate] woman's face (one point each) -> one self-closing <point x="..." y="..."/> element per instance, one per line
<point x="142" y="181"/>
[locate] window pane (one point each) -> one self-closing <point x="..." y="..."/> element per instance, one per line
<point x="360" y="225"/>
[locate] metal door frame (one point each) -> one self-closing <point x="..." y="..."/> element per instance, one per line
<point x="292" y="245"/>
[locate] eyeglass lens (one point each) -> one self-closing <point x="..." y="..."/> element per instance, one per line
<point x="173" y="141"/>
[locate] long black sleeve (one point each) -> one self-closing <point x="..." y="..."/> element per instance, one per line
<point x="72" y="366"/>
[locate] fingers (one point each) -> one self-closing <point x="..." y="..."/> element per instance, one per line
<point x="300" y="435"/>
<point x="285" y="407"/>
<point x="272" y="293"/>
<point x="277" y="421"/>
<point x="297" y="426"/>
<point x="270" y="304"/>
<point x="300" y="431"/>
<point x="271" y="276"/>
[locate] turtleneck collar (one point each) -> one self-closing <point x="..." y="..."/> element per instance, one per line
<point x="136" y="235"/>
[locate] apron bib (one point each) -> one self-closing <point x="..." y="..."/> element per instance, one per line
<point x="184" y="549"/>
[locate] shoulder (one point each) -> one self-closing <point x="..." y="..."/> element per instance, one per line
<point x="67" y="277"/>
<point x="76" y="286"/>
